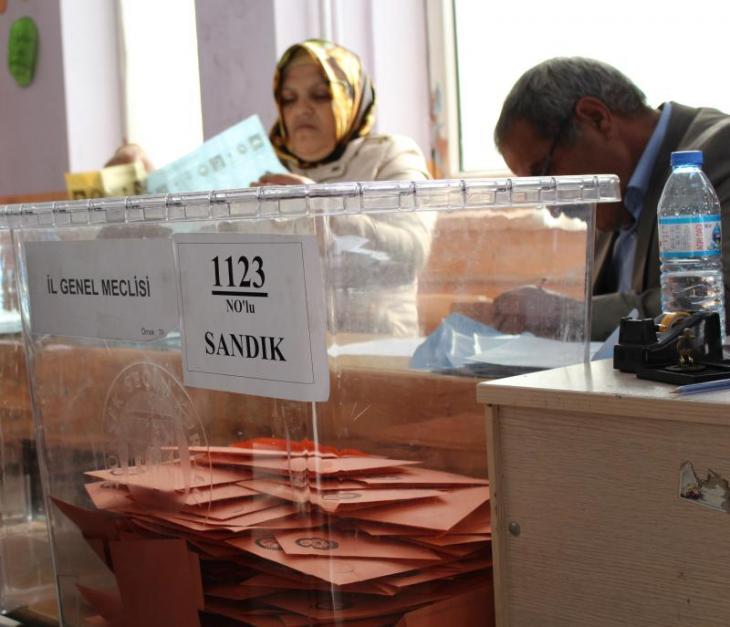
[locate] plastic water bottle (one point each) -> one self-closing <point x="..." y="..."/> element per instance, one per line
<point x="690" y="234"/>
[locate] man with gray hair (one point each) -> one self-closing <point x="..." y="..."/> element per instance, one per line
<point x="580" y="116"/>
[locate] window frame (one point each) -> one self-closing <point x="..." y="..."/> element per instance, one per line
<point x="444" y="77"/>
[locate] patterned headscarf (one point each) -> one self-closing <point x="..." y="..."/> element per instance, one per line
<point x="353" y="97"/>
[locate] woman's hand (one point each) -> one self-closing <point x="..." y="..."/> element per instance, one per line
<point x="271" y="178"/>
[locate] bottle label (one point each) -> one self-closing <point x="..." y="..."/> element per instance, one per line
<point x="689" y="236"/>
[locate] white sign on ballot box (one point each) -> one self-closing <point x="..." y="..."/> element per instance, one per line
<point x="122" y="289"/>
<point x="253" y="315"/>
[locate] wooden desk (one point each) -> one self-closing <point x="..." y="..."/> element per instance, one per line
<point x="589" y="526"/>
<point x="377" y="404"/>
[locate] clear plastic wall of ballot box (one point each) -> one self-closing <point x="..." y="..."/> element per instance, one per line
<point x="26" y="574"/>
<point x="193" y="480"/>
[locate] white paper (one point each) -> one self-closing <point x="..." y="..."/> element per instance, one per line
<point x="122" y="289"/>
<point x="383" y="347"/>
<point x="9" y="322"/>
<point x="253" y="315"/>
<point x="528" y="351"/>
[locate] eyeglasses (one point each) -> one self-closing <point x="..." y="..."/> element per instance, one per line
<point x="548" y="161"/>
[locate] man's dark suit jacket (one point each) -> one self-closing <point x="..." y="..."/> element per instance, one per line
<point x="702" y="129"/>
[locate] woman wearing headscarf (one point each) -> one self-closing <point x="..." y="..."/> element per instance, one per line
<point x="326" y="106"/>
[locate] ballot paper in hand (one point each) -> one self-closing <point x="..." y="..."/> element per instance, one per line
<point x="234" y="158"/>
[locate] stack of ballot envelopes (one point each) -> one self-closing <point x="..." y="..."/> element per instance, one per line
<point x="272" y="533"/>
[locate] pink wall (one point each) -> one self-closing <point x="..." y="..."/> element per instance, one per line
<point x="70" y="117"/>
<point x="33" y="139"/>
<point x="236" y="56"/>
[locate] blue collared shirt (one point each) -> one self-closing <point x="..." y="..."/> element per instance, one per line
<point x="624" y="248"/>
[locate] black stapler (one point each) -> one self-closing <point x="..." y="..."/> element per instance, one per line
<point x="681" y="348"/>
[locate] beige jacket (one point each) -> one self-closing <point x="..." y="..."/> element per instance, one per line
<point x="373" y="158"/>
<point x="374" y="271"/>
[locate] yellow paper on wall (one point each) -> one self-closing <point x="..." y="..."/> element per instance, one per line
<point x="128" y="179"/>
<point x="117" y="180"/>
<point x="82" y="185"/>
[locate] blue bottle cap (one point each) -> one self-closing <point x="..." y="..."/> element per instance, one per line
<point x="687" y="157"/>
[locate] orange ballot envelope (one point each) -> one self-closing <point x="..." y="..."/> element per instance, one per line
<point x="334" y="543"/>
<point x="271" y="533"/>
<point x="441" y="513"/>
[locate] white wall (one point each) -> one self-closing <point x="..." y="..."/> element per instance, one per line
<point x="296" y="20"/>
<point x="33" y="144"/>
<point x="93" y="86"/>
<point x="159" y="45"/>
<point x="400" y="70"/>
<point x="348" y="23"/>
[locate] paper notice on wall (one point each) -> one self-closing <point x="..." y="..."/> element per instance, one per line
<point x="112" y="288"/>
<point x="83" y="185"/>
<point x="234" y="158"/>
<point x="127" y="179"/>
<point x="253" y="314"/>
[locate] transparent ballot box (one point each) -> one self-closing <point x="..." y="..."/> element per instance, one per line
<point x="26" y="574"/>
<point x="257" y="407"/>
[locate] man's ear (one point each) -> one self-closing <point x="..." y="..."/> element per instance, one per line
<point x="594" y="113"/>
